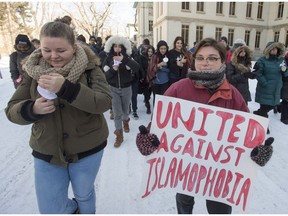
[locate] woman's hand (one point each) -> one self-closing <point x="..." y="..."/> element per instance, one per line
<point x="115" y="67"/>
<point x="183" y="60"/>
<point x="179" y="63"/>
<point x="51" y="82"/>
<point x="43" y="106"/>
<point x="162" y="64"/>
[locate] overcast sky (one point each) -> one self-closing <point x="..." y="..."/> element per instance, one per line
<point x="123" y="13"/>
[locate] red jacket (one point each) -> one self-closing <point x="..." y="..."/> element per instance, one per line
<point x="228" y="56"/>
<point x="226" y="96"/>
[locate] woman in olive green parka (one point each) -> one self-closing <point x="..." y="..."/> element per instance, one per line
<point x="79" y="121"/>
<point x="69" y="131"/>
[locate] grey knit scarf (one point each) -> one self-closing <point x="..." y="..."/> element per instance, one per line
<point x="209" y="79"/>
<point x="37" y="66"/>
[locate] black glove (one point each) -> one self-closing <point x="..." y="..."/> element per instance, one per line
<point x="261" y="154"/>
<point x="146" y="142"/>
<point x="249" y="75"/>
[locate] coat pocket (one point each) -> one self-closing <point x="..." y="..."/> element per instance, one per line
<point x="37" y="131"/>
<point x="91" y="126"/>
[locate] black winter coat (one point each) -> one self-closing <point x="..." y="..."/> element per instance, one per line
<point x="236" y="72"/>
<point x="284" y="90"/>
<point x="122" y="78"/>
<point x="15" y="62"/>
<point x="176" y="72"/>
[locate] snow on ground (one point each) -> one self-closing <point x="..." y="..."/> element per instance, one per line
<point x="119" y="179"/>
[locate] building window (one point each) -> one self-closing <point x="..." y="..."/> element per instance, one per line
<point x="160" y="32"/>
<point x="280" y="9"/>
<point x="199" y="33"/>
<point x="286" y="42"/>
<point x="257" y="40"/>
<point x="260" y="10"/>
<point x="200" y="6"/>
<point x="150" y="25"/>
<point x="232" y="7"/>
<point x="219" y="8"/>
<point x="247" y="37"/>
<point x="185" y="6"/>
<point x="276" y="36"/>
<point x="185" y="33"/>
<point x="218" y="33"/>
<point x="230" y="37"/>
<point x="249" y="9"/>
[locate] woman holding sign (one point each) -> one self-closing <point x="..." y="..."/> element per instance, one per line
<point x="206" y="85"/>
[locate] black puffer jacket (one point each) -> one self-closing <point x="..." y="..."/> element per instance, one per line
<point x="15" y="62"/>
<point x="238" y="71"/>
<point x="128" y="69"/>
<point x="284" y="90"/>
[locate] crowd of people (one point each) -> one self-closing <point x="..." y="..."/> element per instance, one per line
<point x="160" y="67"/>
<point x="60" y="75"/>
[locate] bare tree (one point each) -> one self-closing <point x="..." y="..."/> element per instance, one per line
<point x="38" y="10"/>
<point x="88" y="17"/>
<point x="29" y="17"/>
<point x="15" y="17"/>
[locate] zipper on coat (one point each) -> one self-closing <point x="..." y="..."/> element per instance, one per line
<point x="119" y="81"/>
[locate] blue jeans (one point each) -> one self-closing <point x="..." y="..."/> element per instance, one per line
<point x="52" y="183"/>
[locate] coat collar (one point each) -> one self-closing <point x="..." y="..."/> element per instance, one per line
<point x="224" y="91"/>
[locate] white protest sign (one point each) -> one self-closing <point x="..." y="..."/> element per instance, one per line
<point x="204" y="151"/>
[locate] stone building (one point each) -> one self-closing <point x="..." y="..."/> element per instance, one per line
<point x="255" y="22"/>
<point x="144" y="21"/>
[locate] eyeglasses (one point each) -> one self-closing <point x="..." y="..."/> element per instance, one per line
<point x="209" y="59"/>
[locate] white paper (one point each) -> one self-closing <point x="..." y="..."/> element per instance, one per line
<point x="46" y="93"/>
<point x="117" y="62"/>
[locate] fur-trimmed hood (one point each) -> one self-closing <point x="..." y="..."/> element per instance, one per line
<point x="271" y="45"/>
<point x="243" y="66"/>
<point x="118" y="40"/>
